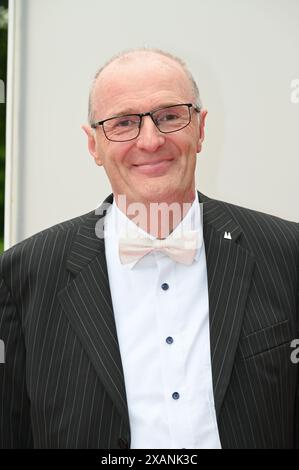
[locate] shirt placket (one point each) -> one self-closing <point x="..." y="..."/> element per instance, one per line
<point x="172" y="353"/>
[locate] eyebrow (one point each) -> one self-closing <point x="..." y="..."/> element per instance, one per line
<point x="127" y="111"/>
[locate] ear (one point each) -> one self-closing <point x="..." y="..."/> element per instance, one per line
<point x="202" y="122"/>
<point x="92" y="144"/>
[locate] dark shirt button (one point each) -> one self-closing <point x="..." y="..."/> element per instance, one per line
<point x="165" y="286"/>
<point x="169" y="340"/>
<point x="175" y="395"/>
<point x="123" y="443"/>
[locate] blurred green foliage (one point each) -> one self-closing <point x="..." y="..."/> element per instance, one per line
<point x="3" y="68"/>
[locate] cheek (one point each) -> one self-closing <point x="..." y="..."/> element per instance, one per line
<point x="118" y="154"/>
<point x="189" y="150"/>
<point x="188" y="141"/>
<point x="115" y="163"/>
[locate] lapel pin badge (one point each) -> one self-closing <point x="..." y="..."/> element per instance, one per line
<point x="227" y="235"/>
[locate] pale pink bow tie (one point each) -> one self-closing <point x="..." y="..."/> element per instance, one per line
<point x="181" y="250"/>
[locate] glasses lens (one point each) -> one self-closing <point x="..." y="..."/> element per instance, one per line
<point x="122" y="128"/>
<point x="172" y="119"/>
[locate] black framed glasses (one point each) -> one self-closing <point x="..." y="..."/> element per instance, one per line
<point x="127" y="127"/>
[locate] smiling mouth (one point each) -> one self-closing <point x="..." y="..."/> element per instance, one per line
<point x="153" y="168"/>
<point x="152" y="164"/>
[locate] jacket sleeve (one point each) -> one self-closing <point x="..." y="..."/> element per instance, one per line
<point x="15" y="426"/>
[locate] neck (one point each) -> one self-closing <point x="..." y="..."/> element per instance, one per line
<point x="157" y="218"/>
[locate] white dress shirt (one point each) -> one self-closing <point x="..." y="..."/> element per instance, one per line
<point x="161" y="311"/>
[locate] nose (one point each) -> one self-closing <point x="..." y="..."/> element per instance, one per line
<point x="150" y="138"/>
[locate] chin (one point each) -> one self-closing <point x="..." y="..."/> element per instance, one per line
<point x="155" y="194"/>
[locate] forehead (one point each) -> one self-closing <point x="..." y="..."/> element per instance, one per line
<point x="140" y="83"/>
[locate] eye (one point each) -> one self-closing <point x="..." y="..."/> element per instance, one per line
<point x="168" y="117"/>
<point x="125" y="123"/>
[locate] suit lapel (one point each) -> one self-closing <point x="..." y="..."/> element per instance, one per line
<point x="229" y="268"/>
<point x="87" y="302"/>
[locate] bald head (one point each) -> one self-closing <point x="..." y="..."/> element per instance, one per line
<point x="146" y="56"/>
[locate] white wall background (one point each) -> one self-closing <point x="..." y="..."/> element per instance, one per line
<point x="243" y="53"/>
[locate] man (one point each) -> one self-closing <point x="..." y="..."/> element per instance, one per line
<point x="164" y="319"/>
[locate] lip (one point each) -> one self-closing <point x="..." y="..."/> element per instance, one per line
<point x="153" y="167"/>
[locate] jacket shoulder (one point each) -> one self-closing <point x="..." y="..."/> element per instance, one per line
<point x="262" y="219"/>
<point x="52" y="242"/>
<point x="266" y="230"/>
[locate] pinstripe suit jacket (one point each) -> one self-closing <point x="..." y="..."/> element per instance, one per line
<point x="62" y="383"/>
